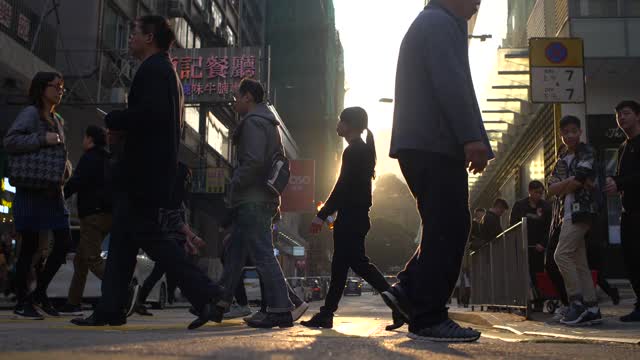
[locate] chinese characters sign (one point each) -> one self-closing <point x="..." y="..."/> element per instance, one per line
<point x="5" y="13"/>
<point x="213" y="74"/>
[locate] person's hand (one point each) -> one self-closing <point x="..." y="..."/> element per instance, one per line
<point x="190" y="249"/>
<point x="572" y="185"/>
<point x="476" y="156"/>
<point x="197" y="242"/>
<point x="610" y="186"/>
<point x="52" y="138"/>
<point x="539" y="248"/>
<point x="316" y="225"/>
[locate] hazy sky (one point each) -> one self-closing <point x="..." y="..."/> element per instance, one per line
<point x="371" y="32"/>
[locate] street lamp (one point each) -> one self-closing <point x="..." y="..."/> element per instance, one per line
<point x="482" y="37"/>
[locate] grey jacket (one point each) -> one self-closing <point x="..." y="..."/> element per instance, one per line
<point x="27" y="133"/>
<point x="436" y="109"/>
<point x="257" y="140"/>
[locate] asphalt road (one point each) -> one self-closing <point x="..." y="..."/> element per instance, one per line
<point x="358" y="335"/>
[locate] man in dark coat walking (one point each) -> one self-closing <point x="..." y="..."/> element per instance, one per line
<point x="144" y="172"/>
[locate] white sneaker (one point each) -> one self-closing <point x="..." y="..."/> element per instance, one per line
<point x="237" y="311"/>
<point x="560" y="313"/>
<point x="297" y="313"/>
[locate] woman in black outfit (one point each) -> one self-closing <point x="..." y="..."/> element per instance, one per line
<point x="351" y="199"/>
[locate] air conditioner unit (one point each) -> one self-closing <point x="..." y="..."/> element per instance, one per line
<point x="175" y="8"/>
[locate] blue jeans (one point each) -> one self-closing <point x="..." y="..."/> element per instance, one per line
<point x="252" y="236"/>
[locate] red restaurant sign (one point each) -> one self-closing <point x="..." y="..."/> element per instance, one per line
<point x="213" y="74"/>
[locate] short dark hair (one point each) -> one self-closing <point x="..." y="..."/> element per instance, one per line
<point x="569" y="120"/>
<point x="536" y="185"/>
<point x="480" y="210"/>
<point x="39" y="85"/>
<point x="501" y="203"/>
<point x="631" y="104"/>
<point x="253" y="87"/>
<point x="163" y="35"/>
<point x="97" y="134"/>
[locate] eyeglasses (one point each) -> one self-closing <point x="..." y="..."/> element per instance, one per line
<point x="60" y="88"/>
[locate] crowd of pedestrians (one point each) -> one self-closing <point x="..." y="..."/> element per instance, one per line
<point x="136" y="191"/>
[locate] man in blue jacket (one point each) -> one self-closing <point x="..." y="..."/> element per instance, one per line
<point x="437" y="135"/>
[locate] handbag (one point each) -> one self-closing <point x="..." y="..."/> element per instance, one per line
<point x="43" y="169"/>
<point x="39" y="170"/>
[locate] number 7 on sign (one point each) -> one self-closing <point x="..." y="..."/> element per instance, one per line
<point x="570" y="72"/>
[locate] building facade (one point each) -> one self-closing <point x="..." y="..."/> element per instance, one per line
<point x="525" y="134"/>
<point x="307" y="87"/>
<point x="89" y="47"/>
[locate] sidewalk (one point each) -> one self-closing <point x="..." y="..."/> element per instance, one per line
<point x="542" y="324"/>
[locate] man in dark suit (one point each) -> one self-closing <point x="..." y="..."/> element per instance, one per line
<point x="143" y="174"/>
<point x="438" y="134"/>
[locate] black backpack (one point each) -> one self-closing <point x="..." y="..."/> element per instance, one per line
<point x="279" y="174"/>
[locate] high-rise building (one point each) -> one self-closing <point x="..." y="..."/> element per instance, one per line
<point x="307" y="87"/>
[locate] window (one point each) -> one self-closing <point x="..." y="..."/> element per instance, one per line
<point x="218" y="136"/>
<point x="230" y="35"/>
<point x="216" y="13"/>
<point x="606" y="8"/>
<point x="192" y="117"/>
<point x="115" y="33"/>
<point x="197" y="43"/>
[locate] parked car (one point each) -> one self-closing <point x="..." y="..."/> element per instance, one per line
<point x="251" y="282"/>
<point x="353" y="287"/>
<point x="301" y="287"/>
<point x="59" y="287"/>
<point x="319" y="286"/>
<point x="315" y="289"/>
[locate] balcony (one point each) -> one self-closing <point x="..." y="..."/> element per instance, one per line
<point x="21" y="24"/>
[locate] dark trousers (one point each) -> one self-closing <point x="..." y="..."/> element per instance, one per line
<point x="349" y="234"/>
<point x="57" y="257"/>
<point x="137" y="227"/>
<point x="440" y="185"/>
<point x="552" y="268"/>
<point x="630" y="231"/>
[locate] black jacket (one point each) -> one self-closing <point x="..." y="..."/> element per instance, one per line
<point x="353" y="188"/>
<point x="147" y="165"/>
<point x="88" y="181"/>
<point x="628" y="175"/>
<point x="537" y="226"/>
<point x="491" y="227"/>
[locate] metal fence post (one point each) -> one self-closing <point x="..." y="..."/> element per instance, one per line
<point x="525" y="267"/>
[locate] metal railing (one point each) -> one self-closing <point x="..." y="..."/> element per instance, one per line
<point x="500" y="271"/>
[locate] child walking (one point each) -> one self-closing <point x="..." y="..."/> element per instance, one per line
<point x="351" y="199"/>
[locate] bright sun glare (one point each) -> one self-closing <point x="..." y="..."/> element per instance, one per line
<point x="371" y="32"/>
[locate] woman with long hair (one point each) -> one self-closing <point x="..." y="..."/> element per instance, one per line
<point x="351" y="199"/>
<point x="37" y="211"/>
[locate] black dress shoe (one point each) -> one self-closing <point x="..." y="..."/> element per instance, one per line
<point x="321" y="320"/>
<point x="281" y="320"/>
<point x="210" y="312"/>
<point x="397" y="322"/>
<point x="396" y="299"/>
<point x="97" y="319"/>
<point x="142" y="310"/>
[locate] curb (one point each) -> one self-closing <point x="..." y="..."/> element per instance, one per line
<point x="471" y="318"/>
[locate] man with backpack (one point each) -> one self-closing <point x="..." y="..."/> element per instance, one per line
<point x="254" y="198"/>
